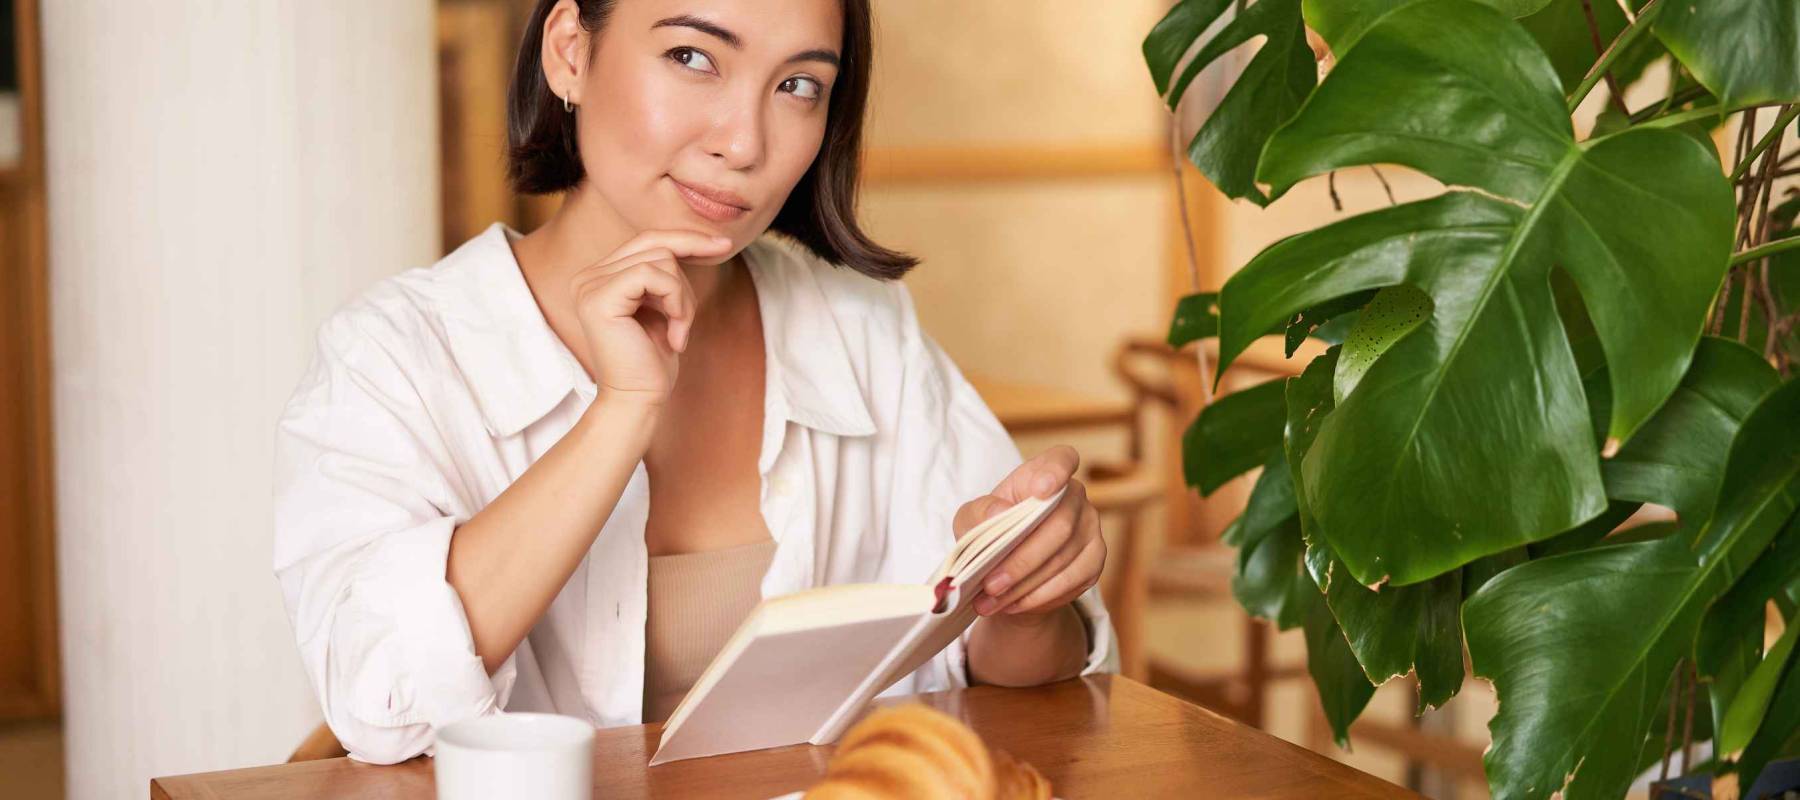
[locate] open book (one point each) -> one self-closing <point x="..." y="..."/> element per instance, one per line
<point x="802" y="666"/>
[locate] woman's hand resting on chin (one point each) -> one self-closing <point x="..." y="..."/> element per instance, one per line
<point x="636" y="308"/>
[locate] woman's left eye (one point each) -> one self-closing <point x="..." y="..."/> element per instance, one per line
<point x="802" y="87"/>
<point x="691" y="58"/>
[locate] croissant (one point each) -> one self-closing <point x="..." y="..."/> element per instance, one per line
<point x="916" y="752"/>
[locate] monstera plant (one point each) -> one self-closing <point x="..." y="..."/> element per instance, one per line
<point x="1574" y="328"/>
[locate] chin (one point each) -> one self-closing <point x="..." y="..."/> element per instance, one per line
<point x="713" y="261"/>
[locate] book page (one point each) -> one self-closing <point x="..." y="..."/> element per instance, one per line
<point x="985" y="547"/>
<point x="941" y="627"/>
<point x="985" y="536"/>
<point x="803" y="664"/>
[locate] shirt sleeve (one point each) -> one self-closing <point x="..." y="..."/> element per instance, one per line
<point x="361" y="543"/>
<point x="950" y="450"/>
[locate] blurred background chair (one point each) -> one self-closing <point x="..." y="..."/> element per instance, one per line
<point x="1134" y="488"/>
<point x="319" y="744"/>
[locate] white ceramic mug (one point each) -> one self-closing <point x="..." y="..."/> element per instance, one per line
<point x="515" y="755"/>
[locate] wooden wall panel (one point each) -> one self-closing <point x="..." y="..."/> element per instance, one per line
<point x="475" y="56"/>
<point x="29" y="665"/>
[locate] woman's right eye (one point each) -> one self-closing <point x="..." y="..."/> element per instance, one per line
<point x="691" y="58"/>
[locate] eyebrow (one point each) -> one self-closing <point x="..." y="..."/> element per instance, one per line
<point x="716" y="31"/>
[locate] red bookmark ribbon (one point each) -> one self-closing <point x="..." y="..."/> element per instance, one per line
<point x="943" y="595"/>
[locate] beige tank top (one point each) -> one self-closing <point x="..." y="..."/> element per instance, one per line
<point x="697" y="600"/>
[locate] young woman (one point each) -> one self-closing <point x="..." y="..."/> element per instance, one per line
<point x="554" y="471"/>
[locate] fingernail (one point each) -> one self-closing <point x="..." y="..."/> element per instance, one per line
<point x="1044" y="483"/>
<point x="984" y="605"/>
<point x="998" y="584"/>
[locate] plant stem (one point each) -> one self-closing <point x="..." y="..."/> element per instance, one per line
<point x="1780" y="329"/>
<point x="1773" y="136"/>
<point x="1770" y="312"/>
<point x="1687" y="722"/>
<point x="1751" y="286"/>
<point x="1684" y="117"/>
<point x="1741" y="213"/>
<point x="1780" y="173"/>
<point x="1612" y="85"/>
<point x="1176" y="157"/>
<point x="1771" y="309"/>
<point x="1746" y="195"/>
<point x="1624" y="40"/>
<point x="1669" y="735"/>
<point x="1766" y="250"/>
<point x="1676" y="98"/>
<point x="1384" y="185"/>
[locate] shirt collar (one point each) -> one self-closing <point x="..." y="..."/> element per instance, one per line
<point x="809" y="363"/>
<point x="512" y="361"/>
<point x="519" y="370"/>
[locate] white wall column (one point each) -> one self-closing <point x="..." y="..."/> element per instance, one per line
<point x="220" y="175"/>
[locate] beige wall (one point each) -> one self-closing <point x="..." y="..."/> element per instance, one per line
<point x="955" y="72"/>
<point x="220" y="177"/>
<point x="1030" y="280"/>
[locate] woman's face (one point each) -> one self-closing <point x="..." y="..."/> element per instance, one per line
<point x="703" y="114"/>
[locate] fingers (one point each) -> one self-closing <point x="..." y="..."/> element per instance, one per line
<point x="976" y="512"/>
<point x="660" y="250"/>
<point x="651" y="284"/>
<point x="1067" y="584"/>
<point x="1057" y="574"/>
<point x="682" y="244"/>
<point x="1041" y="544"/>
<point x="1040" y="476"/>
<point x="680" y="314"/>
<point x="626" y="280"/>
<point x="1055" y="565"/>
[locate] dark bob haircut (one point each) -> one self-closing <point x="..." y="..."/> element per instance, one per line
<point x="543" y="156"/>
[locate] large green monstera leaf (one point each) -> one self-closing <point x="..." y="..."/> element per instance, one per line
<point x="1578" y="685"/>
<point x="1272" y="86"/>
<point x="1394" y="630"/>
<point x="1561" y="29"/>
<point x="1341" y="22"/>
<point x="1471" y="436"/>
<point x="1746" y="51"/>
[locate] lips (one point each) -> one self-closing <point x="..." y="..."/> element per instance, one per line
<point x="718" y="205"/>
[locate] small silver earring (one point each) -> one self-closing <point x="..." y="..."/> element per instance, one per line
<point x="567" y="106"/>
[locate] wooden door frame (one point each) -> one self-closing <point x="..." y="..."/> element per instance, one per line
<point x="45" y="698"/>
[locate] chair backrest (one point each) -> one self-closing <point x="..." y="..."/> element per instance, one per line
<point x="1162" y="377"/>
<point x="319" y="744"/>
<point x="1152" y="370"/>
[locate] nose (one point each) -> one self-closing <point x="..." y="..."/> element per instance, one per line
<point x="736" y="138"/>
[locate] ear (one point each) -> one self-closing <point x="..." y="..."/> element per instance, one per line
<point x="565" y="50"/>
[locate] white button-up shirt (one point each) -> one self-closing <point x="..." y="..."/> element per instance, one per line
<point x="437" y="388"/>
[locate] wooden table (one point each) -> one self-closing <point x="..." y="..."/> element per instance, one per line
<point x="1100" y="736"/>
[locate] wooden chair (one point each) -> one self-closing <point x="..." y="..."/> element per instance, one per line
<point x="318" y="745"/>
<point x="1193" y="564"/>
<point x="1122" y="490"/>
